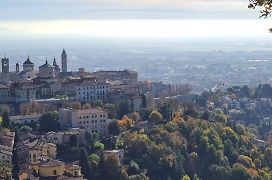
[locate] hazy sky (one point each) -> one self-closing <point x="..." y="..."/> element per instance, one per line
<point x="129" y="18"/>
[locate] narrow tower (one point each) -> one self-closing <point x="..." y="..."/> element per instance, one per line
<point x="17" y="68"/>
<point x="64" y="61"/>
<point x="5" y="70"/>
<point x="56" y="67"/>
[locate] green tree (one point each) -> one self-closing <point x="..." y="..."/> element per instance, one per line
<point x="76" y="106"/>
<point x="83" y="162"/>
<point x="123" y="109"/>
<point x="186" y="177"/>
<point x="25" y="129"/>
<point x="155" y="117"/>
<point x="264" y="4"/>
<point x="5" y="120"/>
<point x="239" y="172"/>
<point x="73" y="141"/>
<point x="15" y="168"/>
<point x="114" y="128"/>
<point x="111" y="108"/>
<point x="144" y="103"/>
<point x="166" y="112"/>
<point x="86" y="106"/>
<point x="113" y="169"/>
<point x="98" y="103"/>
<point x="49" y="121"/>
<point x="94" y="160"/>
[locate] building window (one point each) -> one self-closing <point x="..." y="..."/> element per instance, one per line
<point x="76" y="173"/>
<point x="55" y="172"/>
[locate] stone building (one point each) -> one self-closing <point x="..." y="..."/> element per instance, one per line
<point x="24" y="91"/>
<point x="126" y="76"/>
<point x="56" y="67"/>
<point x="46" y="70"/>
<point x="28" y="65"/>
<point x="25" y="119"/>
<point x="95" y="120"/>
<point x="4" y="93"/>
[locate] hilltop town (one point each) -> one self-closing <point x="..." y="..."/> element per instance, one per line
<point x="61" y="124"/>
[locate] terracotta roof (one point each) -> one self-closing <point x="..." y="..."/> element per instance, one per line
<point x="6" y="150"/>
<point x="72" y="167"/>
<point x="2" y="86"/>
<point x="25" y="117"/>
<point x="94" y="84"/>
<point x="51" y="163"/>
<point x="90" y="111"/>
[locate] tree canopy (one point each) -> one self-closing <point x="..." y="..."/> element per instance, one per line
<point x="49" y="121"/>
<point x="114" y="128"/>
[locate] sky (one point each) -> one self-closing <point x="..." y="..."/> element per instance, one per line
<point x="130" y="18"/>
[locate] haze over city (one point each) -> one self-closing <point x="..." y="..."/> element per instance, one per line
<point x="135" y="89"/>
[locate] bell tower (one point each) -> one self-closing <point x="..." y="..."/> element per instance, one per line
<point x="17" y="68"/>
<point x="63" y="61"/>
<point x="5" y="69"/>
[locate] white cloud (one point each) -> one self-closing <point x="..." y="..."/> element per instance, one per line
<point x="122" y="9"/>
<point x="143" y="28"/>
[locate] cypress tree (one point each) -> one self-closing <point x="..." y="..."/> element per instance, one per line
<point x="5" y="120"/>
<point x="83" y="162"/>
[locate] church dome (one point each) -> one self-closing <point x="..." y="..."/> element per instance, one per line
<point x="28" y="61"/>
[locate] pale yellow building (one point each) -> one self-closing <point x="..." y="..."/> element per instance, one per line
<point x="53" y="169"/>
<point x="95" y="120"/>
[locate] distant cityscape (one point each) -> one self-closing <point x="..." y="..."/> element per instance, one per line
<point x="56" y="119"/>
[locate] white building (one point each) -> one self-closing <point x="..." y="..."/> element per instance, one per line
<point x="95" y="120"/>
<point x="92" y="91"/>
<point x="26" y="119"/>
<point x="118" y="154"/>
<point x="63" y="136"/>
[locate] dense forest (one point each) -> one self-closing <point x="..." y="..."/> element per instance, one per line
<point x="186" y="148"/>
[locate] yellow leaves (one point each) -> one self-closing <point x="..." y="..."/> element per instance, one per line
<point x="245" y="139"/>
<point x="141" y="131"/>
<point x="125" y="123"/>
<point x="246" y="161"/>
<point x="177" y="119"/>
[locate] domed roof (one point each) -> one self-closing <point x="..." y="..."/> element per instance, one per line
<point x="46" y="65"/>
<point x="28" y="61"/>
